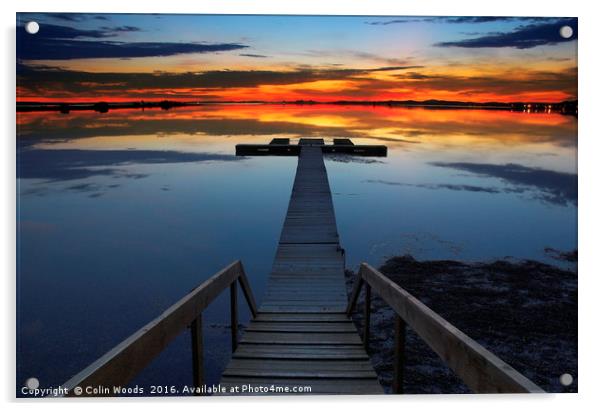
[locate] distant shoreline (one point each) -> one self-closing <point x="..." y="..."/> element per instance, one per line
<point x="565" y="107"/>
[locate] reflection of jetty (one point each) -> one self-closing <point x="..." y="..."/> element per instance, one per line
<point x="302" y="334"/>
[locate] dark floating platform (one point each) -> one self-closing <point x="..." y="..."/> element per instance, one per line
<point x="282" y="147"/>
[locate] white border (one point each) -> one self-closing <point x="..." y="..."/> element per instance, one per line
<point x="590" y="228"/>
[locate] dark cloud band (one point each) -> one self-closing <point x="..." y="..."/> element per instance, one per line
<point x="35" y="78"/>
<point x="456" y="20"/>
<point x="54" y="42"/>
<point x="524" y="37"/>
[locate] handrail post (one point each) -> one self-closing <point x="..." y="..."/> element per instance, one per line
<point x="399" y="355"/>
<point x="367" y="297"/>
<point x="246" y="290"/>
<point x="357" y="288"/>
<point x="234" y="314"/>
<point x="196" y="332"/>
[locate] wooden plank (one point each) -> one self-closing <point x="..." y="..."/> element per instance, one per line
<point x="308" y="303"/>
<point x="314" y="281"/>
<point x="276" y="365"/>
<point x="292" y="308"/>
<point x="292" y="295"/>
<point x="337" y="313"/>
<point x="304" y="293"/>
<point x="291" y="373"/>
<point x="479" y="368"/>
<point x="316" y="277"/>
<point x="300" y="338"/>
<point x="286" y="368"/>
<point x="326" y="303"/>
<point x="307" y="327"/>
<point x="301" y="317"/>
<point x="302" y="284"/>
<point x="298" y="351"/>
<point x="312" y="251"/>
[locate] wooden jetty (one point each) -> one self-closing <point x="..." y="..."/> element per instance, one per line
<point x="301" y="340"/>
<point x="301" y="335"/>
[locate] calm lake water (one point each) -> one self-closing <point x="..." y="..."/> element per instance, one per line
<point x="121" y="214"/>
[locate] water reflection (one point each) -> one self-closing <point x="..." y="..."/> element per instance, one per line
<point x="553" y="186"/>
<point x="397" y="126"/>
<point x="122" y="213"/>
<point x="68" y="164"/>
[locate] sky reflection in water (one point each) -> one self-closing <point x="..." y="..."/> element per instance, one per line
<point x="120" y="214"/>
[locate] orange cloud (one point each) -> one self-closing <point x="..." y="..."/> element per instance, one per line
<point x="323" y="85"/>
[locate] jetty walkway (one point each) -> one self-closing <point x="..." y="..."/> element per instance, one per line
<point x="302" y="336"/>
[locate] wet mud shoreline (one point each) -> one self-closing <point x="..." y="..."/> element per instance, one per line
<point x="523" y="311"/>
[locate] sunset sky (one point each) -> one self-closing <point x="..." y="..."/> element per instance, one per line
<point x="118" y="57"/>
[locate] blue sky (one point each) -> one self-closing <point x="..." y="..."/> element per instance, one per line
<point x="343" y="55"/>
